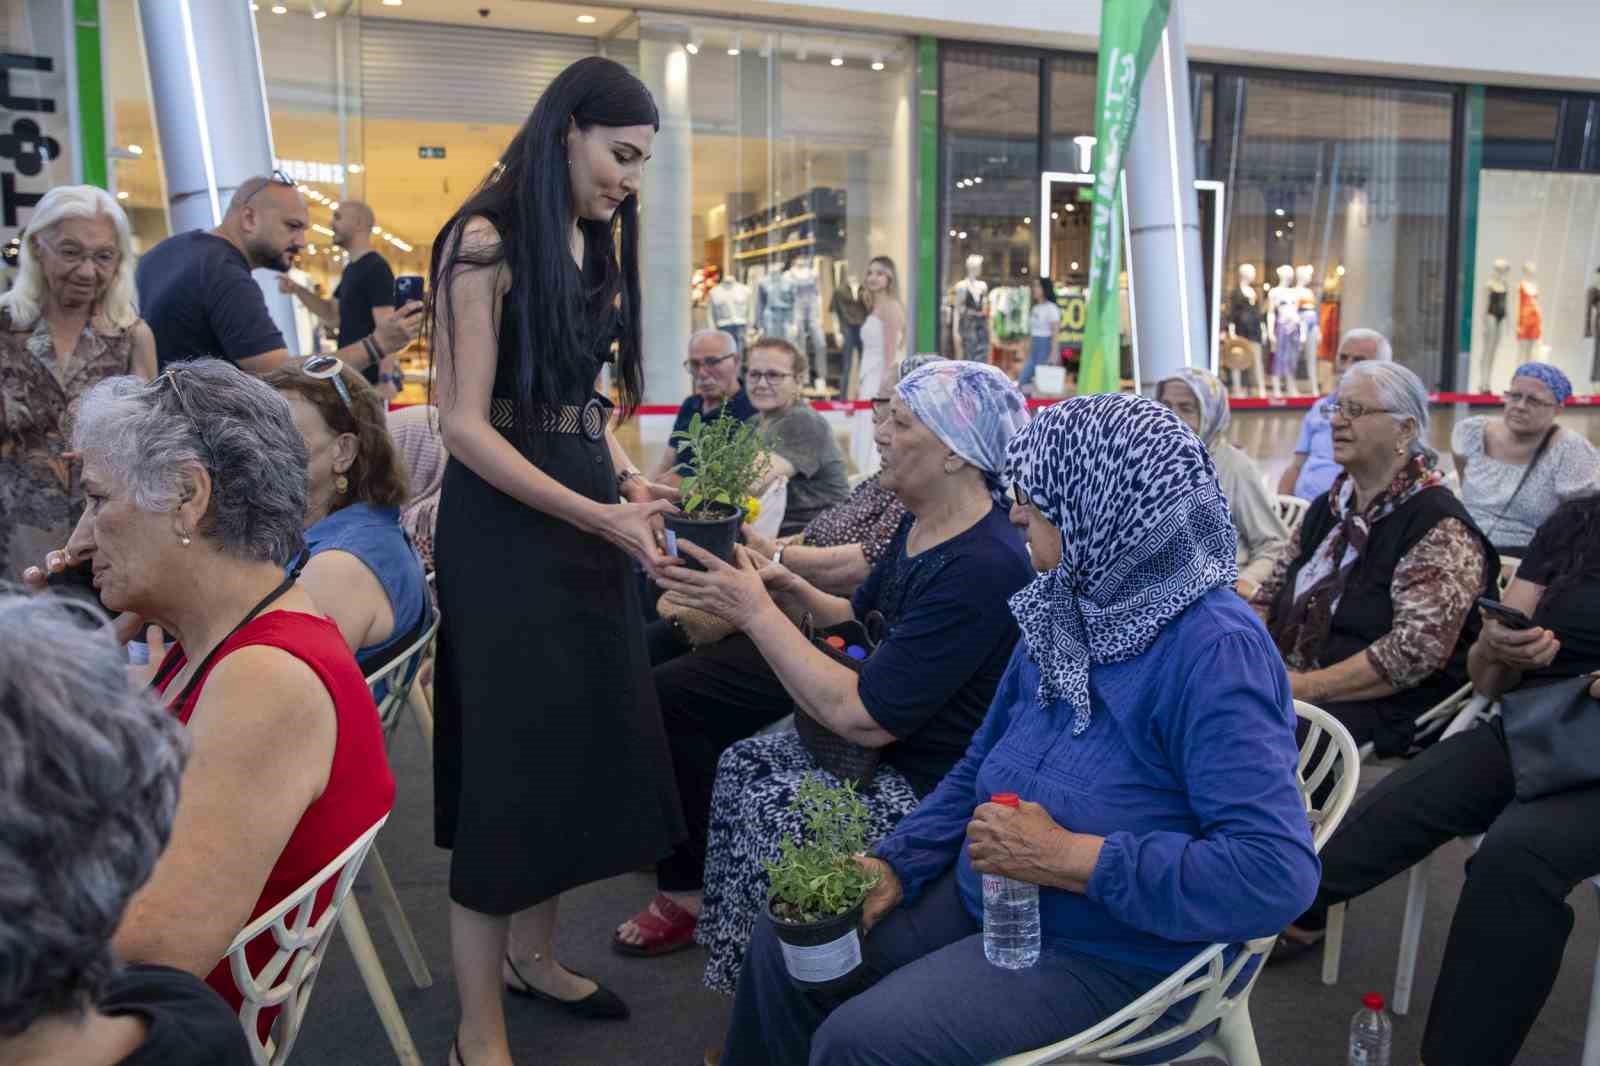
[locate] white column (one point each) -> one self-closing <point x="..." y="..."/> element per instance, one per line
<point x="1164" y="218"/>
<point x="211" y="115"/>
<point x="666" y="251"/>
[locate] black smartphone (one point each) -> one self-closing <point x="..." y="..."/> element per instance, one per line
<point x="1509" y="617"/>
<point x="407" y="287"/>
<point x="77" y="582"/>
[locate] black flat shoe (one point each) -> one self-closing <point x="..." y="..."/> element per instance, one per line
<point x="1288" y="948"/>
<point x="600" y="1005"/>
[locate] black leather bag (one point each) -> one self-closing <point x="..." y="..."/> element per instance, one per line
<point x="850" y="762"/>
<point x="1553" y="734"/>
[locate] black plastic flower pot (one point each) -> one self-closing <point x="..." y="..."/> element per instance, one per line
<point x="823" y="954"/>
<point x="716" y="534"/>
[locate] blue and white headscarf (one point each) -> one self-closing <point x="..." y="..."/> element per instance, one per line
<point x="975" y="409"/>
<point x="1144" y="533"/>
<point x="1549" y="376"/>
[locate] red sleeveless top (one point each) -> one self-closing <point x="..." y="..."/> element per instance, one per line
<point x="360" y="788"/>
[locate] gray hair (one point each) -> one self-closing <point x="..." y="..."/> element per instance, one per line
<point x="28" y="295"/>
<point x="1402" y="392"/>
<point x="89" y="774"/>
<point x="729" y="346"/>
<point x="1361" y="333"/>
<point x="211" y="413"/>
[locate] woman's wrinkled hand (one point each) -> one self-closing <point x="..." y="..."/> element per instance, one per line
<point x="885" y="896"/>
<point x="36" y="580"/>
<point x="1022" y="842"/>
<point x="1519" y="649"/>
<point x="734" y="594"/>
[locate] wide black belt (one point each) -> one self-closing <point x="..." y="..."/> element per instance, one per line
<point x="589" y="419"/>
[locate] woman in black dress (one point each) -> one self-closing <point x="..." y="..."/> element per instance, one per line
<point x="550" y="764"/>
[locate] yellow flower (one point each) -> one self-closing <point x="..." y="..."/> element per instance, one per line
<point x="752" y="508"/>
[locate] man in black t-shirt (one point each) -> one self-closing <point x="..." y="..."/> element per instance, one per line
<point x="365" y="296"/>
<point x="196" y="292"/>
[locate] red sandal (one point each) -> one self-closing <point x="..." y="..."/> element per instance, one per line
<point x="672" y="931"/>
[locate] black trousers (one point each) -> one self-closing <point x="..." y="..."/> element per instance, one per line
<point x="709" y="699"/>
<point x="1511" y="924"/>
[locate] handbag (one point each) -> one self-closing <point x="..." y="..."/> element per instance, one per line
<point x="855" y="764"/>
<point x="1553" y="736"/>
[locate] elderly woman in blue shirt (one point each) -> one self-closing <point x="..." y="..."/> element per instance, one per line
<point x="1146" y="722"/>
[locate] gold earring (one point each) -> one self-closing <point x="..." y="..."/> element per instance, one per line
<point x="183" y="538"/>
<point x="341" y="484"/>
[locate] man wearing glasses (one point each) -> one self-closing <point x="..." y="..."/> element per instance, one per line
<point x="713" y="367"/>
<point x="196" y="292"/>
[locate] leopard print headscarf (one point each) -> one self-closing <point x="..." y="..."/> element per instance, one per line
<point x="1144" y="527"/>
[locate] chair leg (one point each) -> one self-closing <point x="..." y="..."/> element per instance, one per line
<point x="1405" y="970"/>
<point x="389" y="903"/>
<point x="420" y="702"/>
<point x="1237" y="1037"/>
<point x="1591" y="1033"/>
<point x="372" y="975"/>
<point x="1333" y="944"/>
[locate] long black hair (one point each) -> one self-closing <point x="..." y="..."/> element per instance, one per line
<point x="1569" y="542"/>
<point x="557" y="319"/>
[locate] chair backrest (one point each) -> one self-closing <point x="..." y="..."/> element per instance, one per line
<point x="392" y="684"/>
<point x="1434" y="720"/>
<point x="1292" y="509"/>
<point x="300" y="935"/>
<point x="1327" y="753"/>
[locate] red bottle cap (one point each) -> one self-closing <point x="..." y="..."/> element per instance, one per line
<point x="1006" y="799"/>
<point x="835" y="642"/>
<point x="1372" y="1001"/>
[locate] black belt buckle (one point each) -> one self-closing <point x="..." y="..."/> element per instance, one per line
<point x="592" y="420"/>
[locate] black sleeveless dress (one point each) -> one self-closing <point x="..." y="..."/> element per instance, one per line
<point x="551" y="767"/>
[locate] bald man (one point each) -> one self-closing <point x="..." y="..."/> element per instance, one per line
<point x="364" y="299"/>
<point x="196" y="292"/>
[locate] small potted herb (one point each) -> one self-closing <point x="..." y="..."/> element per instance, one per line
<point x="728" y="458"/>
<point x="816" y="890"/>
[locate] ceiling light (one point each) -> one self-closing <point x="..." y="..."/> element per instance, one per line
<point x="962" y="235"/>
<point x="734" y="50"/>
<point x="1290" y="225"/>
<point x="692" y="48"/>
<point x="318" y="11"/>
<point x="355" y="168"/>
<point x="952" y="233"/>
<point x="1054" y="215"/>
<point x="1278" y="211"/>
<point x="1073" y="265"/>
<point x="320" y="228"/>
<point x="255" y="7"/>
<point x="123" y="195"/>
<point x="377" y="229"/>
<point x="1027" y="220"/>
<point x="977" y="181"/>
<point x="1277" y="233"/>
<point x="392" y="3"/>
<point x="279" y="9"/>
<point x="877" y="64"/>
<point x="587" y="20"/>
<point x="837" y="61"/>
<point x="1072" y="207"/>
<point x="134" y="149"/>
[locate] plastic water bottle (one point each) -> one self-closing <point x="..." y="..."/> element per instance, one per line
<point x="1371" y="1033"/>
<point x="1010" y="914"/>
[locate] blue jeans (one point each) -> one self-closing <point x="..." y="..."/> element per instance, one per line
<point x="1041" y="350"/>
<point x="924" y="995"/>
<point x="849" y="352"/>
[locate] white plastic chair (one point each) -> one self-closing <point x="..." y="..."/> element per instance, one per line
<point x="1292" y="509"/>
<point x="301" y="938"/>
<point x="1208" y="977"/>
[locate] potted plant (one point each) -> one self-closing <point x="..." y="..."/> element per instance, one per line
<point x="728" y="458"/>
<point x="816" y="890"/>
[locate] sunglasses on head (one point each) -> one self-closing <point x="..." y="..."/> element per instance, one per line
<point x="277" y="177"/>
<point x="328" y="368"/>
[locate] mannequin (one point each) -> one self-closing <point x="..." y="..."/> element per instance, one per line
<point x="1494" y="316"/>
<point x="1244" y="322"/>
<point x="775" y="306"/>
<point x="729" y="302"/>
<point x="1309" y="327"/>
<point x="807" y="329"/>
<point x="1283" y="327"/>
<point x="849" y="314"/>
<point x="1591" y="328"/>
<point x="1530" y="320"/>
<point x="971" y="299"/>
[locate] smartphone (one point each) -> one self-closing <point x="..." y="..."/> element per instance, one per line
<point x="77" y="582"/>
<point x="407" y="287"/>
<point x="1509" y="617"/>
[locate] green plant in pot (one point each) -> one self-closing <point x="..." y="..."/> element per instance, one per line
<point x="816" y="889"/>
<point x="728" y="458"/>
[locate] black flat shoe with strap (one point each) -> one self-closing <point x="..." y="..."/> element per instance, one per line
<point x="600" y="1005"/>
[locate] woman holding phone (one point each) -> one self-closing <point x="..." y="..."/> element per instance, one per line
<point x="551" y="768"/>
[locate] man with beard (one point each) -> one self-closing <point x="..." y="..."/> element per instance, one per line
<point x="196" y="292"/>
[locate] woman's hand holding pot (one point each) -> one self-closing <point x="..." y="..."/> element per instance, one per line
<point x="734" y="594"/>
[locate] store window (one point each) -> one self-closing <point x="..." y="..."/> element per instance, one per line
<point x="1337" y="205"/>
<point x="1072" y="88"/>
<point x="134" y="152"/>
<point x="1519" y="130"/>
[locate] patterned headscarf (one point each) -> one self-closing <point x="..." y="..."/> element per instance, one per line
<point x="416" y="434"/>
<point x="1213" y="399"/>
<point x="1144" y="533"/>
<point x="975" y="409"/>
<point x="1549" y="376"/>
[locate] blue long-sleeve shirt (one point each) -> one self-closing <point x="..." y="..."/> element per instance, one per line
<point x="1187" y="769"/>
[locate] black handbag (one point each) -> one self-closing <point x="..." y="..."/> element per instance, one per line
<point x="1553" y="735"/>
<point x="850" y="762"/>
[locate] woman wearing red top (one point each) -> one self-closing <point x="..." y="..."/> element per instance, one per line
<point x="196" y="487"/>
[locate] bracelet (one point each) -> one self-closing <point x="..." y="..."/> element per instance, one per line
<point x="627" y="476"/>
<point x="374" y="353"/>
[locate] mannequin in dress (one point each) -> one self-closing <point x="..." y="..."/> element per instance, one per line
<point x="1494" y="316"/>
<point x="807" y="336"/>
<point x="849" y="315"/>
<point x="971" y="299"/>
<point x="1530" y="320"/>
<point x="1591" y="328"/>
<point x="1244" y="321"/>
<point x="729" y="302"/>
<point x="1309" y="327"/>
<point x="1283" y="326"/>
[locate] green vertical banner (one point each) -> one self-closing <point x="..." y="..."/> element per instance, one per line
<point x="1129" y="33"/>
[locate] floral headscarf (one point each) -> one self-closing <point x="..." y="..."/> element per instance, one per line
<point x="975" y="409"/>
<point x="416" y="435"/>
<point x="1212" y="397"/>
<point x="1145" y="532"/>
<point x="1549" y="376"/>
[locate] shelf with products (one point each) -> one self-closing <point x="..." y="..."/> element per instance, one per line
<point x="784" y="224"/>
<point x="814" y="220"/>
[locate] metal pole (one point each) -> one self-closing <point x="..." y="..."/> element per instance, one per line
<point x="1164" y="218"/>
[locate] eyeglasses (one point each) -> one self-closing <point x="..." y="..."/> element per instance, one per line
<point x="1351" y="410"/>
<point x="277" y="177"/>
<point x="1533" y="403"/>
<point x="105" y="260"/>
<point x="170" y="377"/>
<point x="328" y="368"/>
<point x="767" y="377"/>
<point x="694" y="366"/>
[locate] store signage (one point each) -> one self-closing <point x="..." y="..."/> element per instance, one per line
<point x="431" y="152"/>
<point x="37" y="122"/>
<point x="1074" y="306"/>
<point x="304" y="170"/>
